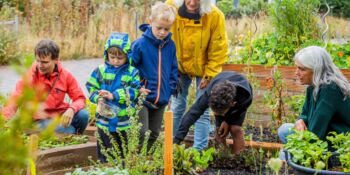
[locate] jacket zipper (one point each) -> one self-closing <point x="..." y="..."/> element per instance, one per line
<point x="159" y="72"/>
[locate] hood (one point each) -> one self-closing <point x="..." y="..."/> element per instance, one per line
<point x="205" y="6"/>
<point x="120" y="40"/>
<point x="146" y="28"/>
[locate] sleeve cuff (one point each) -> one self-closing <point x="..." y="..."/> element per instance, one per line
<point x="74" y="109"/>
<point x="176" y="141"/>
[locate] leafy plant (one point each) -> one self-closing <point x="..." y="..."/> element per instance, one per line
<point x="341" y="143"/>
<point x="275" y="164"/>
<point x="245" y="7"/>
<point x="308" y="150"/>
<point x="9" y="52"/>
<point x="295" y="105"/>
<point x="338" y="8"/>
<point x="275" y="95"/>
<point x="54" y="141"/>
<point x="91" y="108"/>
<point x="137" y="160"/>
<point x="14" y="152"/>
<point x="190" y="161"/>
<point x="100" y="170"/>
<point x="296" y="25"/>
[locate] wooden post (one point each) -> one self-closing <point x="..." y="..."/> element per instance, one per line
<point x="168" y="143"/>
<point x="33" y="149"/>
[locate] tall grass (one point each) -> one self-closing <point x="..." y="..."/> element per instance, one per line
<point x="81" y="27"/>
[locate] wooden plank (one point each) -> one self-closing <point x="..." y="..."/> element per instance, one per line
<point x="168" y="143"/>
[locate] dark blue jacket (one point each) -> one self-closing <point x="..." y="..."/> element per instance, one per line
<point x="157" y="63"/>
<point x="235" y="115"/>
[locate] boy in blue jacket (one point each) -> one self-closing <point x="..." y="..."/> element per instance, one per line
<point x="109" y="84"/>
<point x="154" y="54"/>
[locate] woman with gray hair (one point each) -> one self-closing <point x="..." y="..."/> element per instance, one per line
<point x="327" y="104"/>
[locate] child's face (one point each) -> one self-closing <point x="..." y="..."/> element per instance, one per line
<point x="160" y="28"/>
<point x="117" y="59"/>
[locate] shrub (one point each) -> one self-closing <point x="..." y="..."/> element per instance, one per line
<point x="8" y="37"/>
<point x="245" y="7"/>
<point x="339" y="8"/>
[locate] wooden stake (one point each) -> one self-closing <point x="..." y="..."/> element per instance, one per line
<point x="168" y="143"/>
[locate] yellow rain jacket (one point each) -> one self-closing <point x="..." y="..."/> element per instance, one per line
<point x="201" y="45"/>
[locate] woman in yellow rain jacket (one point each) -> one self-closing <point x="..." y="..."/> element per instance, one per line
<point x="201" y="47"/>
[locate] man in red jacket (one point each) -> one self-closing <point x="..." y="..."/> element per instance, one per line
<point x="48" y="73"/>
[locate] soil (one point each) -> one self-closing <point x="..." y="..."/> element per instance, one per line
<point x="267" y="135"/>
<point x="249" y="162"/>
<point x="254" y="133"/>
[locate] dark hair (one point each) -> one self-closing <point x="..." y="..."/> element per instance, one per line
<point x="47" y="47"/>
<point x="222" y="96"/>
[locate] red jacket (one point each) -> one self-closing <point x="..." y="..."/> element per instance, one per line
<point x="54" y="103"/>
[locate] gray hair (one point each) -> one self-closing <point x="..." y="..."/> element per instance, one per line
<point x="324" y="71"/>
<point x="205" y="6"/>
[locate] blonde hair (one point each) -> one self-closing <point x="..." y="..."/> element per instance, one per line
<point x="163" y="11"/>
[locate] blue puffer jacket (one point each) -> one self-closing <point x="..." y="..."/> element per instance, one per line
<point x="117" y="80"/>
<point x="157" y="63"/>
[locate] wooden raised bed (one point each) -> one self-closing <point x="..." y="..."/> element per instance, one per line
<point x="261" y="72"/>
<point x="65" y="157"/>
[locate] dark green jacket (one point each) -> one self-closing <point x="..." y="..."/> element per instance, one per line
<point x="330" y="112"/>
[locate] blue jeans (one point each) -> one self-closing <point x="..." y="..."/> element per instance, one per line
<point x="284" y="131"/>
<point x="78" y="125"/>
<point x="178" y="106"/>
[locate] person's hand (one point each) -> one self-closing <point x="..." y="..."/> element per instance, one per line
<point x="300" y="125"/>
<point x="67" y="117"/>
<point x="105" y="94"/>
<point x="41" y="113"/>
<point x="143" y="90"/>
<point x="204" y="83"/>
<point x="223" y="130"/>
<point x="220" y="139"/>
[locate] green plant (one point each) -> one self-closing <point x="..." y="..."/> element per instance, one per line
<point x="308" y="150"/>
<point x="15" y="155"/>
<point x="296" y="26"/>
<point x="191" y="161"/>
<point x="341" y="143"/>
<point x="295" y="21"/>
<point x="274" y="97"/>
<point x="275" y="164"/>
<point x="54" y="142"/>
<point x="340" y="54"/>
<point x="137" y="160"/>
<point x="100" y="170"/>
<point x="338" y="8"/>
<point x="245" y="7"/>
<point x="9" y="52"/>
<point x="91" y="108"/>
<point x="295" y="105"/>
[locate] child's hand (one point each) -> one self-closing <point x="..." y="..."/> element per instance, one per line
<point x="143" y="90"/>
<point x="106" y="94"/>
